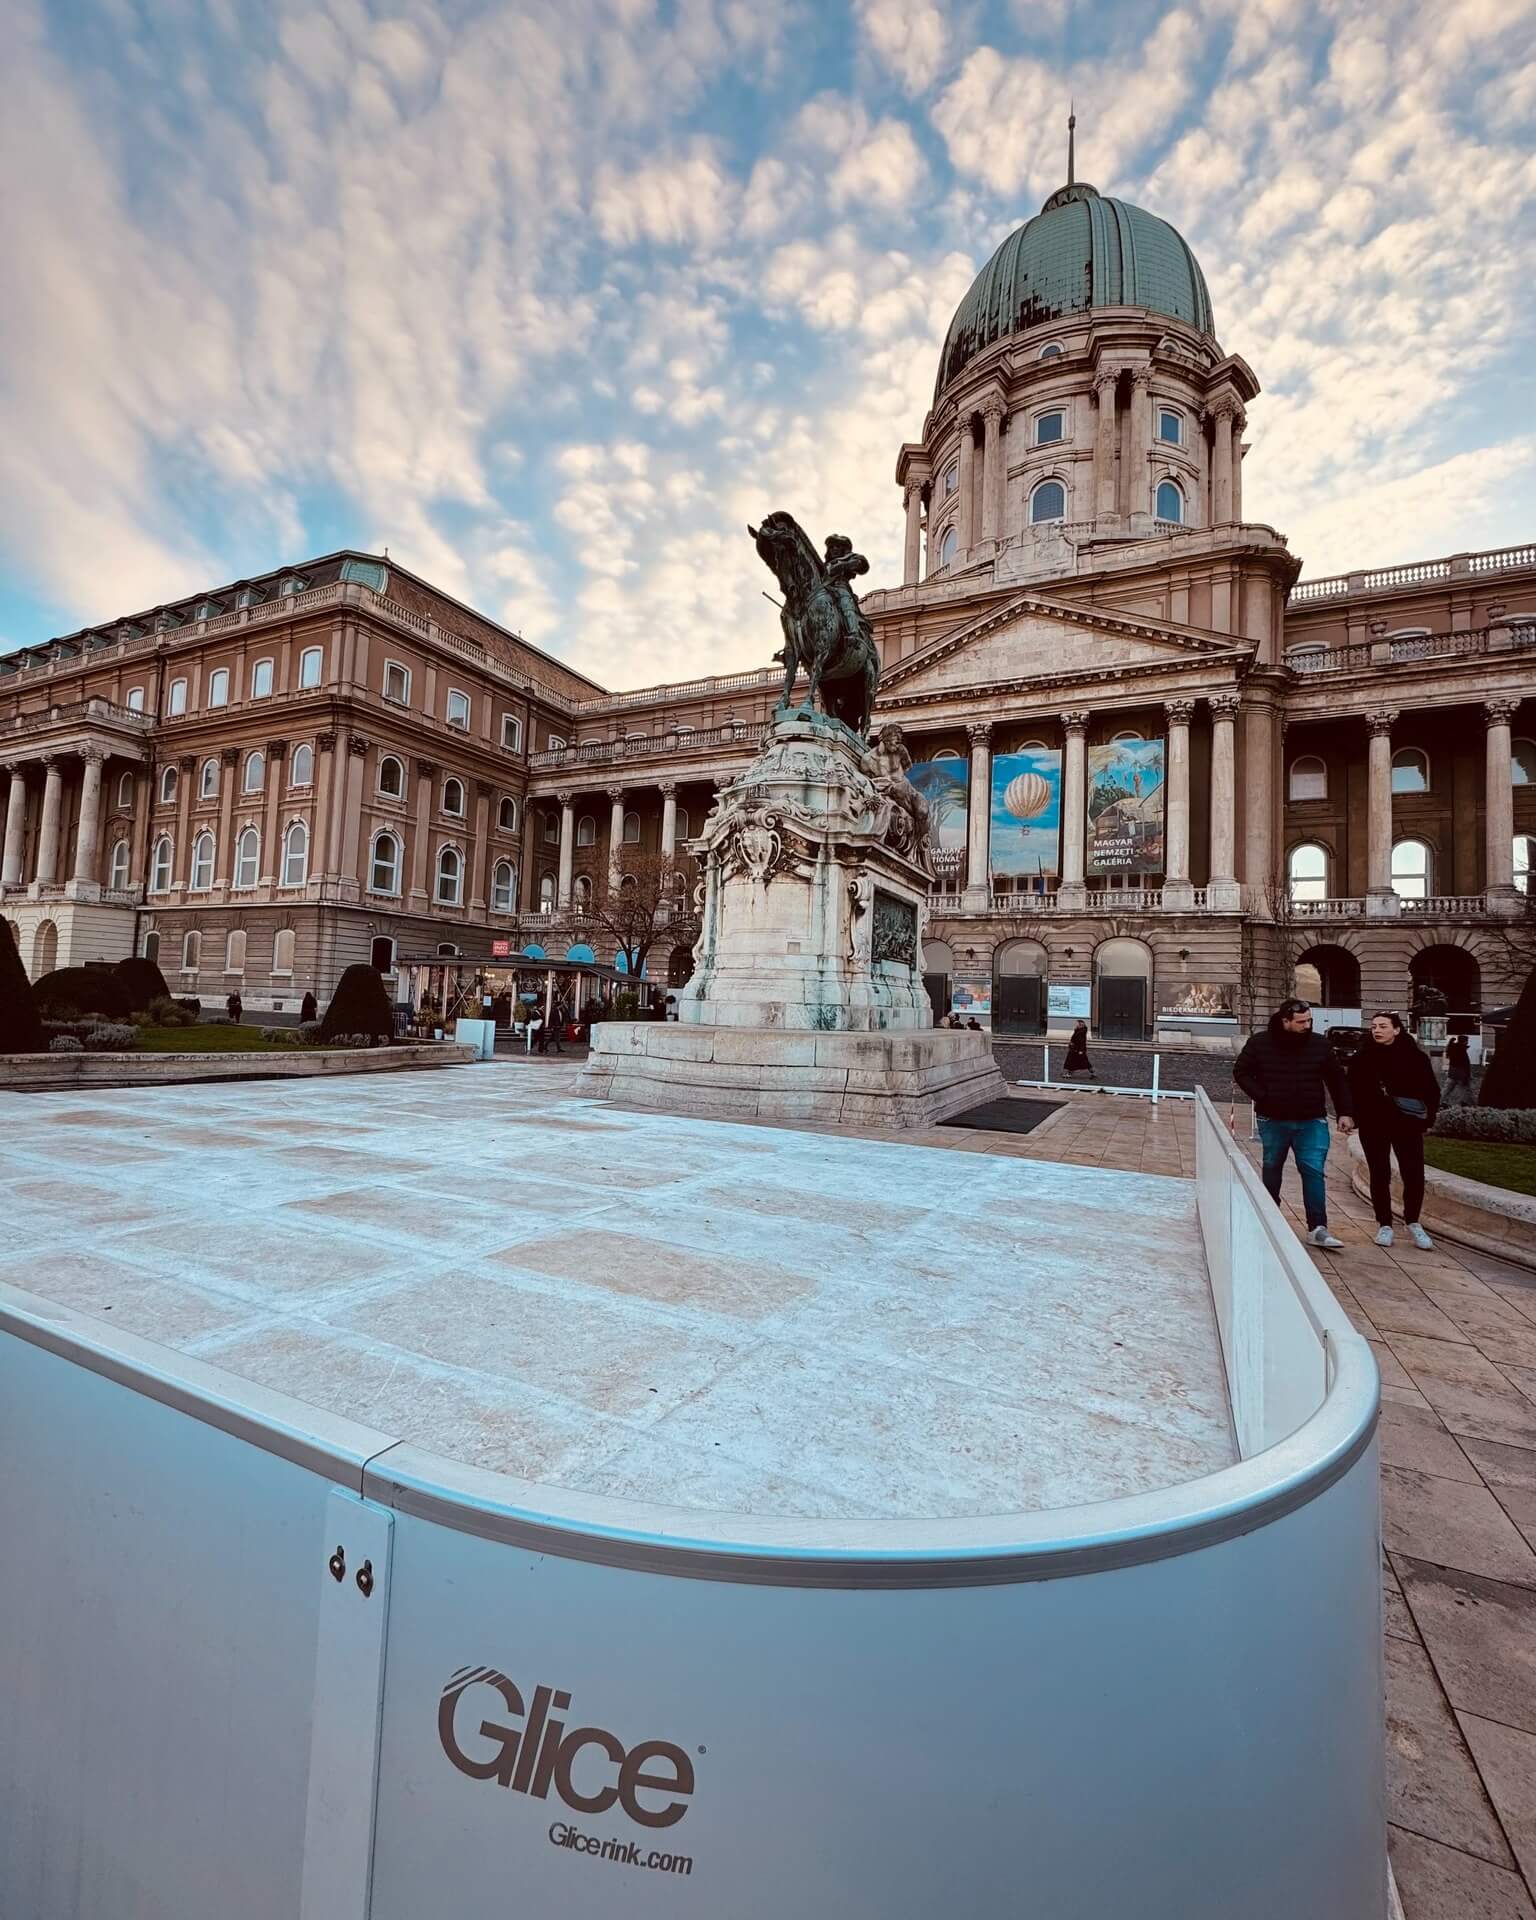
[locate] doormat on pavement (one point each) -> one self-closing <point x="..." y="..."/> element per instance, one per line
<point x="1006" y="1115"/>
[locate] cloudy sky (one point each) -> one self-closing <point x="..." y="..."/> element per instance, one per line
<point x="549" y="296"/>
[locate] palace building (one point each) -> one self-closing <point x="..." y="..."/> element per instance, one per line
<point x="1167" y="777"/>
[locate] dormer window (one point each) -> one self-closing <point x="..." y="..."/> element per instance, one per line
<point x="165" y="622"/>
<point x="291" y="583"/>
<point x="207" y="610"/>
<point x="249" y="597"/>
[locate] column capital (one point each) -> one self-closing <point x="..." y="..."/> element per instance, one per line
<point x="992" y="410"/>
<point x="1179" y="712"/>
<point x="566" y="796"/>
<point x="1225" y="408"/>
<point x="1226" y="706"/>
<point x="185" y="762"/>
<point x="1378" y="724"/>
<point x="357" y="744"/>
<point x="484" y="789"/>
<point x="326" y="742"/>
<point x="1105" y="377"/>
<point x="980" y="732"/>
<point x="668" y="787"/>
<point x="428" y="769"/>
<point x="1500" y="710"/>
<point x="615" y="794"/>
<point x="1141" y="378"/>
<point x="1076" y="721"/>
<point x="51" y="761"/>
<point x="231" y="755"/>
<point x="93" y="756"/>
<point x="278" y="749"/>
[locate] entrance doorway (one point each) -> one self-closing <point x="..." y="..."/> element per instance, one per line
<point x="1018" y="987"/>
<point x="1122" y="971"/>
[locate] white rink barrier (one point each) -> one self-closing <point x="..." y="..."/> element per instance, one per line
<point x="260" y="1663"/>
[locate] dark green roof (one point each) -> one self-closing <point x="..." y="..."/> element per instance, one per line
<point x="1082" y="250"/>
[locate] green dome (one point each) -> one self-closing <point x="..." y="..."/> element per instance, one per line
<point x="1081" y="250"/>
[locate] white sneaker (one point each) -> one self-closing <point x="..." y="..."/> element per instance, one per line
<point x="1321" y="1237"/>
<point x="1383" y="1236"/>
<point x="1419" y="1237"/>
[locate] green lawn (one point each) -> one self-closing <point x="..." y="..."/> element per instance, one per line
<point x="1494" y="1163"/>
<point x="205" y="1039"/>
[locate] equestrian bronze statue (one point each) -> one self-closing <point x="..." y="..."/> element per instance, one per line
<point x="824" y="631"/>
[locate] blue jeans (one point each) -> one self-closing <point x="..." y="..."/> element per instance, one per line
<point x="1308" y="1140"/>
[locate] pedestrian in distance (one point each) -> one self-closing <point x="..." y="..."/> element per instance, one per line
<point x="309" y="1008"/>
<point x="1458" y="1073"/>
<point x="973" y="1025"/>
<point x="1289" y="1072"/>
<point x="1396" y="1099"/>
<point x="1077" y="1060"/>
<point x="234" y="1007"/>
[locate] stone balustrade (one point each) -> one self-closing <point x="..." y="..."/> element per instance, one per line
<point x="1513" y="635"/>
<point x="1340" y="586"/>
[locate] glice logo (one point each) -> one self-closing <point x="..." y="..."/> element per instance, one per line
<point x="542" y="1754"/>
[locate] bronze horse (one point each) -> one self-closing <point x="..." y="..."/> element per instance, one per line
<point x="824" y="631"/>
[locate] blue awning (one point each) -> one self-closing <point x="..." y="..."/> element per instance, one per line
<point x="582" y="953"/>
<point x="533" y="951"/>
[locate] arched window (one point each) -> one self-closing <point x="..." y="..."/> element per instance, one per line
<point x="311" y="661"/>
<point x="1522" y="763"/>
<point x="551" y="825"/>
<point x="117" y="878"/>
<point x="191" y="952"/>
<point x="45" y="948"/>
<point x="176" y="701"/>
<point x="1308" y="871"/>
<point x="218" y="687"/>
<point x="234" y="951"/>
<point x="1525" y="862"/>
<point x="202" y="863"/>
<point x="255" y="768"/>
<point x="261" y="680"/>
<point x="301" y="768"/>
<point x="1126" y="733"/>
<point x="503" y="887"/>
<point x="149" y="947"/>
<point x="453" y="797"/>
<point x="167" y="786"/>
<point x="631" y="829"/>
<point x="208" y="786"/>
<point x="506" y="814"/>
<point x="1410" y="770"/>
<point x="683" y="825"/>
<point x="125" y="793"/>
<point x="1170" y="503"/>
<point x="511" y="733"/>
<point x="949" y="546"/>
<point x="1052" y="350"/>
<point x="586" y="831"/>
<point x="450" y="876"/>
<point x="1309" y="778"/>
<point x="384" y="864"/>
<point x="296" y="855"/>
<point x="392" y="777"/>
<point x="1410" y="870"/>
<point x="1047" y="502"/>
<point x="546" y="893"/>
<point x="247" y="858"/>
<point x="282" y="950"/>
<point x="160" y="865"/>
<point x="581" y="892"/>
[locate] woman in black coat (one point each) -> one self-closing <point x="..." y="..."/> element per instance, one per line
<point x="1396" y="1099"/>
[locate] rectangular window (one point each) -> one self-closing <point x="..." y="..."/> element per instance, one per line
<point x="397" y="683"/>
<point x="309" y="667"/>
<point x="1049" y="427"/>
<point x="511" y="733"/>
<point x="1170" y="427"/>
<point x="218" y="687"/>
<point x="135" y="699"/>
<point x="457" y="711"/>
<point x="177" y="703"/>
<point x="261" y="680"/>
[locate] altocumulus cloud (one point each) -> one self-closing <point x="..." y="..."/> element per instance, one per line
<point x="551" y="297"/>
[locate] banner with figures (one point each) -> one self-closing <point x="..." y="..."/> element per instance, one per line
<point x="946" y="786"/>
<point x="1125" y="807"/>
<point x="1026" y="813"/>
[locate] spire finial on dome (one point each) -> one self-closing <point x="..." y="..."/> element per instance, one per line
<point x="1071" y="142"/>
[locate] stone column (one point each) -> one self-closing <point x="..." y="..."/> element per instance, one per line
<point x="1223" y="894"/>
<point x="1500" y="807"/>
<point x="88" y="838"/>
<point x="477" y="891"/>
<point x="15" y="827"/>
<point x="1239" y="424"/>
<point x="965" y="513"/>
<point x="1104" y="385"/>
<point x="1178" y="893"/>
<point x="912" y="557"/>
<point x="271" y="835"/>
<point x="48" y="832"/>
<point x="1381" y="901"/>
<point x="668" y="819"/>
<point x="978" y="876"/>
<point x="181" y="852"/>
<point x="1221" y="463"/>
<point x="567" y="848"/>
<point x="1139" y="492"/>
<point x="1260" y="755"/>
<point x="426" y="783"/>
<point x="615" y="834"/>
<point x="1072" y="893"/>
<point x="224" y="853"/>
<point x="994" y="472"/>
<point x="357" y="753"/>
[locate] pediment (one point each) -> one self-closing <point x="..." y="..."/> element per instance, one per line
<point x="1030" y="639"/>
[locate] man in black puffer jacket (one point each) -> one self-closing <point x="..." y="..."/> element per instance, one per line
<point x="1287" y="1073"/>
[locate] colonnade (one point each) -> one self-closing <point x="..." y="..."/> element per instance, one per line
<point x="568" y="799"/>
<point x="48" y="861"/>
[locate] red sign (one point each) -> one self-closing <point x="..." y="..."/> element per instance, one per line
<point x="501" y="949"/>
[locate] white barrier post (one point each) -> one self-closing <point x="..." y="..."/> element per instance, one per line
<point x="1157" y="1062"/>
<point x="1046" y="1050"/>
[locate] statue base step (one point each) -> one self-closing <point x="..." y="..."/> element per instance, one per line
<point x="900" y="1079"/>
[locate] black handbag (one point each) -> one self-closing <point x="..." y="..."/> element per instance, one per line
<point x="1415" y="1109"/>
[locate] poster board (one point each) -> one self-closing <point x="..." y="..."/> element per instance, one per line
<point x="1025" y="817"/>
<point x="946" y="786"/>
<point x="1125" y="807"/>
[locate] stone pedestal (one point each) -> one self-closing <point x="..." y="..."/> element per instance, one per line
<point x="807" y="1000"/>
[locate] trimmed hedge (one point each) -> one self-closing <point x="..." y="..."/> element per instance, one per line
<point x="359" y="1006"/>
<point x="1511" y="1077"/>
<point x="1513" y="1126"/>
<point x="21" y="1028"/>
<point x="82" y="990"/>
<point x="143" y="982"/>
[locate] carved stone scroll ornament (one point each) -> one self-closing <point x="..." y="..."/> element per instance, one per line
<point x="754" y="845"/>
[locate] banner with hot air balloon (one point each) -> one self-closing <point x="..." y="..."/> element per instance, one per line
<point x="1026" y="813"/>
<point x="946" y="786"/>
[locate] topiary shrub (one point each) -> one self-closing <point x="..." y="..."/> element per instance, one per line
<point x="1511" y="1077"/>
<point x="309" y="1033"/>
<point x="65" y="1043"/>
<point x="74" y="990"/>
<point x="21" y="1027"/>
<point x="143" y="982"/>
<point x="1514" y="1126"/>
<point x="280" y="1036"/>
<point x="104" y="1036"/>
<point x="359" y="1006"/>
<point x="192" y="1006"/>
<point x="163" y="1011"/>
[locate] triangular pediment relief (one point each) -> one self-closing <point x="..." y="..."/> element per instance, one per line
<point x="1029" y="638"/>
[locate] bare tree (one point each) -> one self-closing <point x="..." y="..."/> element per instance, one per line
<point x="648" y="897"/>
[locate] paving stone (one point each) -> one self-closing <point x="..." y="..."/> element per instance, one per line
<point x="1481" y="1635"/>
<point x="1453" y="1525"/>
<point x="1471" y="1395"/>
<point x="1506" y="1759"/>
<point x="1401" y="1309"/>
<point x="1414" y="1439"/>
<point x="1437" y="1882"/>
<point x="1433" y="1788"/>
